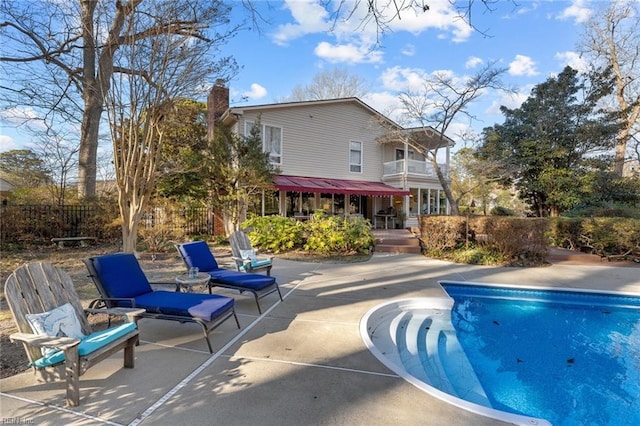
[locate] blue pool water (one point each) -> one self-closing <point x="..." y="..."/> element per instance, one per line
<point x="572" y="358"/>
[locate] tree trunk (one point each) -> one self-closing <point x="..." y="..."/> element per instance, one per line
<point x="87" y="155"/>
<point x="445" y="186"/>
<point x="621" y="151"/>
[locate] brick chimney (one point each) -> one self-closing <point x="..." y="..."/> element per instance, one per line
<point x="217" y="104"/>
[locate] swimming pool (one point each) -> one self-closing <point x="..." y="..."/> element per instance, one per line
<point x="527" y="356"/>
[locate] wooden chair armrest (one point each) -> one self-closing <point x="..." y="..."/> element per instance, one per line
<point x="131" y="313"/>
<point x="44" y="341"/>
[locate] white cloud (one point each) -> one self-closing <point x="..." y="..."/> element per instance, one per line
<point x="523" y="65"/>
<point x="573" y="59"/>
<point x="18" y="116"/>
<point x="578" y="11"/>
<point x="7" y="143"/>
<point x="355" y="35"/>
<point x="440" y="16"/>
<point x="401" y="79"/>
<point x="385" y="103"/>
<point x="309" y="18"/>
<point x="349" y="53"/>
<point x="256" y="92"/>
<point x="509" y="100"/>
<point x="408" y="50"/>
<point x="473" y="62"/>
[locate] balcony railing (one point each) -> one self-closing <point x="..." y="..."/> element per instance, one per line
<point x="412" y="167"/>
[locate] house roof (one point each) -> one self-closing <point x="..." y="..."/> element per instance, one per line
<point x="335" y="186"/>
<point x="427" y="136"/>
<point x="229" y="114"/>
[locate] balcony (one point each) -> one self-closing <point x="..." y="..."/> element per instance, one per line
<point x="412" y="167"/>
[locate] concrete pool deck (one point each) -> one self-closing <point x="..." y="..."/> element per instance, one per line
<point x="302" y="362"/>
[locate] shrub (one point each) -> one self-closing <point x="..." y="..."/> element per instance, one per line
<point x="162" y="227"/>
<point x="321" y="235"/>
<point x="333" y="234"/>
<point x="441" y="233"/>
<point x="612" y="236"/>
<point x="485" y="239"/>
<point x="518" y="238"/>
<point x="565" y="232"/>
<point x="275" y="234"/>
<point x="605" y="236"/>
<point x="501" y="211"/>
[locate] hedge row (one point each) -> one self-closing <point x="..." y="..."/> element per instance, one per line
<point x="603" y="236"/>
<point x="509" y="238"/>
<point x="529" y="237"/>
<point x="320" y="235"/>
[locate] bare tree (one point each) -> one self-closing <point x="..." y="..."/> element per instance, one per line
<point x="332" y="84"/>
<point x="152" y="73"/>
<point x="381" y="13"/>
<point x="58" y="57"/>
<point x="433" y="107"/>
<point x="611" y="38"/>
<point x="59" y="154"/>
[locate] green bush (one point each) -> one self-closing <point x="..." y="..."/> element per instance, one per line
<point x="501" y="211"/>
<point x="565" y="232"/>
<point x="275" y="234"/>
<point x="605" y="236"/>
<point x="612" y="236"/>
<point x="333" y="234"/>
<point x="320" y="235"/>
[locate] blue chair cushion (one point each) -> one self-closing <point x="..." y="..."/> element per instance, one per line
<point x="88" y="344"/>
<point x="197" y="305"/>
<point x="197" y="254"/>
<point x="121" y="276"/>
<point x="255" y="264"/>
<point x="260" y="263"/>
<point x="241" y="280"/>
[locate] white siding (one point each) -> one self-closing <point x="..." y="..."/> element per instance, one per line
<point x="315" y="139"/>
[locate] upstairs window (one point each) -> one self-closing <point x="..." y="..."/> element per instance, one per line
<point x="271" y="141"/>
<point x="355" y="157"/>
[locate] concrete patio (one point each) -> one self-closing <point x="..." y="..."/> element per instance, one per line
<point x="300" y="363"/>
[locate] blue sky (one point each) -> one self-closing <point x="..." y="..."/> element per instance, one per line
<point x="533" y="39"/>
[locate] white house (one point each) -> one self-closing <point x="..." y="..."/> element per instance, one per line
<point x="332" y="155"/>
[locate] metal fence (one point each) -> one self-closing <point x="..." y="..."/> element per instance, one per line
<point x="37" y="224"/>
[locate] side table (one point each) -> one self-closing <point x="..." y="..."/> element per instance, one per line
<point x="185" y="284"/>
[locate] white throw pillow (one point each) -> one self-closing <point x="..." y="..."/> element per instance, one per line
<point x="248" y="255"/>
<point x="59" y="322"/>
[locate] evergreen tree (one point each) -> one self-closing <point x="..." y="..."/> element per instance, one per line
<point x="552" y="146"/>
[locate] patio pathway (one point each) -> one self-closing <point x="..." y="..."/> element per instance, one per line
<point x="301" y="362"/>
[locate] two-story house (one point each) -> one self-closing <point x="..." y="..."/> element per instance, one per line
<point x="335" y="155"/>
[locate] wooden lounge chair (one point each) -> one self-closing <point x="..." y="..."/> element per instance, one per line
<point x="197" y="254"/>
<point x="122" y="283"/>
<point x="246" y="258"/>
<point x="41" y="295"/>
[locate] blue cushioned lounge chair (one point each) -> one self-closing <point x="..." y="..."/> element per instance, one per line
<point x="122" y="283"/>
<point x="197" y="254"/>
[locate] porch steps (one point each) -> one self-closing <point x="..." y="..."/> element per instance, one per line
<point x="396" y="241"/>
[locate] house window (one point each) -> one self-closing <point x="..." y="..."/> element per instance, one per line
<point x="271" y="141"/>
<point x="400" y="154"/>
<point x="355" y="157"/>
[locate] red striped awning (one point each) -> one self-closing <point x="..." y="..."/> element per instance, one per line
<point x="335" y="186"/>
